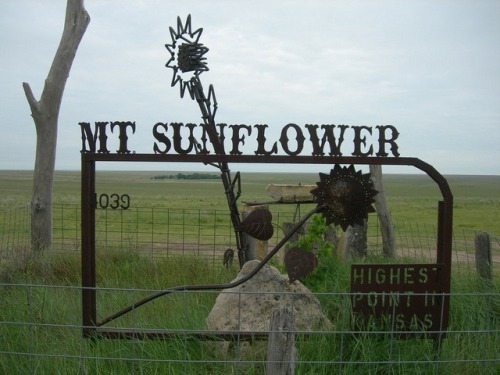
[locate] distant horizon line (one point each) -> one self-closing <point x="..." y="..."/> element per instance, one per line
<point x="259" y="172"/>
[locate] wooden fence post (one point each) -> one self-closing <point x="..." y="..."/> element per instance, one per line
<point x="384" y="216"/>
<point x="256" y="249"/>
<point x="281" y="352"/>
<point x="483" y="255"/>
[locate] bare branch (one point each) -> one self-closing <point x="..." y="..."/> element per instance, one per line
<point x="34" y="104"/>
<point x="75" y="25"/>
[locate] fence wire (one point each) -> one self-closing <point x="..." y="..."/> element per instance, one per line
<point x="41" y="339"/>
<point x="159" y="231"/>
<point x="40" y="322"/>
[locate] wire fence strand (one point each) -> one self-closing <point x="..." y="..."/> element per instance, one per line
<point x="41" y="326"/>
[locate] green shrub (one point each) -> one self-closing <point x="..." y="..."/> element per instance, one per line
<point x="313" y="240"/>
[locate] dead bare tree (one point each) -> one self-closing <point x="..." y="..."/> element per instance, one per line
<point x="45" y="113"/>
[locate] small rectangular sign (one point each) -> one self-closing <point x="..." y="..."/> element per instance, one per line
<point x="407" y="299"/>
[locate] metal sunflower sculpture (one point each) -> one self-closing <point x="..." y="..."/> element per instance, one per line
<point x="345" y="195"/>
<point x="187" y="56"/>
<point x="188" y="62"/>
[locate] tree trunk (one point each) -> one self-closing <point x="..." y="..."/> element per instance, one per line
<point x="45" y="113"/>
<point x="384" y="217"/>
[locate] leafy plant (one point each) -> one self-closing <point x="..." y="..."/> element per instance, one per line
<point x="314" y="238"/>
<point x="312" y="241"/>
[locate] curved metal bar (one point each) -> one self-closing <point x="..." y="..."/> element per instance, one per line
<point x="233" y="284"/>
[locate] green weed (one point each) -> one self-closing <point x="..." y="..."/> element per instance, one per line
<point x="40" y="296"/>
<point x="41" y="317"/>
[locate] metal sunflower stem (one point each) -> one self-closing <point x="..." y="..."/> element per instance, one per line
<point x="208" y="116"/>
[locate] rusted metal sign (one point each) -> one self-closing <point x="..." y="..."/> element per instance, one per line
<point x="403" y="299"/>
<point x="406" y="298"/>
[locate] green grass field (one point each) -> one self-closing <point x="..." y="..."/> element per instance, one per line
<point x="40" y="298"/>
<point x="410" y="197"/>
<point x="40" y="325"/>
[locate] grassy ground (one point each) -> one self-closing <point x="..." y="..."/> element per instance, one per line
<point x="40" y="318"/>
<point x="40" y="298"/>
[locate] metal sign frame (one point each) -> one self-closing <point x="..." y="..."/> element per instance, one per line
<point x="187" y="61"/>
<point x="91" y="324"/>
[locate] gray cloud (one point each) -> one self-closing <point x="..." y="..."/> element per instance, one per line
<point x="429" y="68"/>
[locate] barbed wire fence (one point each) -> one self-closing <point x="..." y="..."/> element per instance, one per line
<point x="37" y="314"/>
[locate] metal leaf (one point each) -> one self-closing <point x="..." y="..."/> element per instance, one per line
<point x="258" y="224"/>
<point x="299" y="263"/>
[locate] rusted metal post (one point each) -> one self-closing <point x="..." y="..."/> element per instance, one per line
<point x="88" y="247"/>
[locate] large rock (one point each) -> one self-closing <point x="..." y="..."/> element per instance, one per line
<point x="248" y="307"/>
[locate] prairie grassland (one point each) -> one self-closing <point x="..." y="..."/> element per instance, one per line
<point x="410" y="197"/>
<point x="40" y="299"/>
<point x="41" y="315"/>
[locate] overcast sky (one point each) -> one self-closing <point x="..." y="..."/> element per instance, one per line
<point x="429" y="68"/>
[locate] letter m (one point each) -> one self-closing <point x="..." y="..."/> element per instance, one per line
<point x="90" y="139"/>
